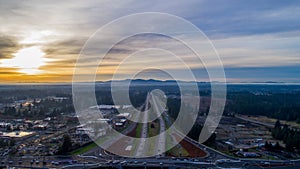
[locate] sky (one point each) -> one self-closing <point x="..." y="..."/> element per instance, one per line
<point x="257" y="41"/>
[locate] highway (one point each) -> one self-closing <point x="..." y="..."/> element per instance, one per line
<point x="142" y="145"/>
<point x="159" y="109"/>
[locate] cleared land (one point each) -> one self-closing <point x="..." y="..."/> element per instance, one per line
<point x="272" y="121"/>
<point x="193" y="151"/>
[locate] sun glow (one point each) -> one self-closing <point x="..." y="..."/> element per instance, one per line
<point x="36" y="37"/>
<point x="27" y="60"/>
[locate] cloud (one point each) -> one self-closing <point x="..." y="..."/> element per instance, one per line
<point x="219" y="19"/>
<point x="259" y="50"/>
<point x="245" y="33"/>
<point x="8" y="45"/>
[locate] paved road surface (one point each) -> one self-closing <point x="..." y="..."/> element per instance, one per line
<point x="255" y="122"/>
<point x="142" y="148"/>
<point x="159" y="109"/>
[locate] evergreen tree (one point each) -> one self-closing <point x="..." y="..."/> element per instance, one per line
<point x="66" y="146"/>
<point x="277" y="124"/>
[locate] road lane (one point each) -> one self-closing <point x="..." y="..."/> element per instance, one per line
<point x="142" y="145"/>
<point x="159" y="107"/>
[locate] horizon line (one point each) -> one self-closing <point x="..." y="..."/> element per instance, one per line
<point x="157" y="80"/>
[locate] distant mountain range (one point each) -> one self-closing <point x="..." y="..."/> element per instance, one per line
<point x="148" y="81"/>
<point x="155" y="81"/>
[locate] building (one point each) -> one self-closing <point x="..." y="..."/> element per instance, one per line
<point x="16" y="135"/>
<point x="244" y="154"/>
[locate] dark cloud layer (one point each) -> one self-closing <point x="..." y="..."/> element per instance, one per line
<point x="8" y="45"/>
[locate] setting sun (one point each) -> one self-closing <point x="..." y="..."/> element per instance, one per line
<point x="27" y="60"/>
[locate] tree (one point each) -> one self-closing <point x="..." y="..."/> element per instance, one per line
<point x="211" y="140"/>
<point x="277" y="124"/>
<point x="29" y="107"/>
<point x="267" y="145"/>
<point x="195" y="132"/>
<point x="298" y="120"/>
<point x="8" y="128"/>
<point x="66" y="145"/>
<point x="12" y="143"/>
<point x="290" y="137"/>
<point x="277" y="146"/>
<point x="2" y="143"/>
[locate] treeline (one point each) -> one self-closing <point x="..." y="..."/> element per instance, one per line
<point x="271" y="147"/>
<point x="291" y="137"/>
<point x="195" y="133"/>
<point x="4" y="143"/>
<point x="174" y="107"/>
<point x="283" y="106"/>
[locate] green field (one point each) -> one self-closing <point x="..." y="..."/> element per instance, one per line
<point x="84" y="149"/>
<point x="153" y="131"/>
<point x="139" y="130"/>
